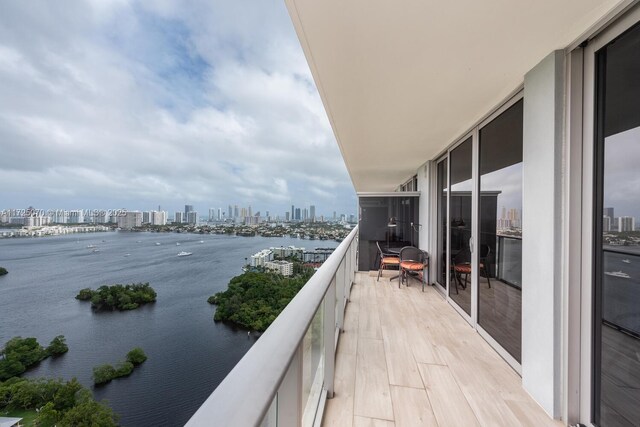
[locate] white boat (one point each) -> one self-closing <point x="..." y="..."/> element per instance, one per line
<point x="126" y="255"/>
<point x="626" y="261"/>
<point x="157" y="243"/>
<point x="177" y="243"/>
<point x="96" y="250"/>
<point x="201" y="241"/>
<point x="183" y="253"/>
<point x="91" y="246"/>
<point x="617" y="274"/>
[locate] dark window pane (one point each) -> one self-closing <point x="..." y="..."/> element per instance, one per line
<point x="500" y="240"/>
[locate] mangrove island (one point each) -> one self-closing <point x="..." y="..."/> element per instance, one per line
<point x="121" y="297"/>
<point x="105" y="373"/>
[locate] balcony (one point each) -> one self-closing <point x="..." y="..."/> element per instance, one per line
<point x="406" y="358"/>
<point x="352" y="351"/>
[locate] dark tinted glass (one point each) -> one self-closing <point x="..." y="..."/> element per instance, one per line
<point x="441" y="266"/>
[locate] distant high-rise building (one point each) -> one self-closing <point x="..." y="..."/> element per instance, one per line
<point x="286" y="216"/>
<point x="219" y="214"/>
<point x="249" y="211"/>
<point x="76" y="216"/>
<point x="146" y="217"/>
<point x="178" y="218"/>
<point x="236" y="212"/>
<point x="297" y="217"/>
<point x="626" y="223"/>
<point x="293" y="216"/>
<point x="334" y="215"/>
<point x="609" y="212"/>
<point x="158" y="217"/>
<point x="212" y="214"/>
<point x="193" y="217"/>
<point x="130" y="220"/>
<point x="187" y="210"/>
<point x="230" y="212"/>
<point x="606" y="223"/>
<point x="312" y="213"/>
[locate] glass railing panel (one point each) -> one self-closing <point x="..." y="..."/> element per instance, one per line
<point x="312" y="367"/>
<point x="271" y="419"/>
<point x="509" y="265"/>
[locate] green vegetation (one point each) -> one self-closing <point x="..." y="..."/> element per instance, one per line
<point x="254" y="299"/>
<point x="3" y="271"/>
<point x="58" y="403"/>
<point x="121" y="297"/>
<point x="57" y="346"/>
<point x="136" y="356"/>
<point x="105" y="373"/>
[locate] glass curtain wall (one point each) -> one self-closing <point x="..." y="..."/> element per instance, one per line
<point x="376" y="214"/>
<point x="500" y="240"/>
<point x="460" y="212"/>
<point x="617" y="239"/>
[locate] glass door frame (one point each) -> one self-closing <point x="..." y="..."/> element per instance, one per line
<point x="584" y="80"/>
<point x="473" y="135"/>
<point x="442" y="287"/>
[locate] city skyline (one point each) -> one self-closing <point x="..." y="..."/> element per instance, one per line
<point x="138" y="105"/>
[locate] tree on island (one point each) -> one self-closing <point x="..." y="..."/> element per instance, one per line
<point x="57" y="346"/>
<point x="19" y="354"/>
<point x="103" y="374"/>
<point x="3" y="271"/>
<point x="254" y="299"/>
<point x="121" y="297"/>
<point x="58" y="402"/>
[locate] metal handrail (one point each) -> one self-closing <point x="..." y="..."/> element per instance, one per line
<point x="245" y="395"/>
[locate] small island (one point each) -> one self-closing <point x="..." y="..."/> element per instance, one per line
<point x="105" y="373"/>
<point x="20" y="354"/>
<point x="3" y="271"/>
<point x="254" y="299"/>
<point x="120" y="297"/>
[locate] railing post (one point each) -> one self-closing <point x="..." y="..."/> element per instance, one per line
<point x="330" y="324"/>
<point x="290" y="394"/>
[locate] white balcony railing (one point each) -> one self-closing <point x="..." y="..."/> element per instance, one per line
<point x="284" y="379"/>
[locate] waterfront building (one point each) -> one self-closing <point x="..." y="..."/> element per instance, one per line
<point x="178" y="218"/>
<point x="283" y="267"/>
<point x="76" y="216"/>
<point x="297" y="214"/>
<point x="260" y="258"/>
<point x="192" y="218"/>
<point x="287" y="251"/>
<point x="146" y="217"/>
<point x="312" y="213"/>
<point x="626" y="223"/>
<point x="158" y="217"/>
<point x="532" y="104"/>
<point x="220" y="217"/>
<point x="187" y="209"/>
<point x="130" y="220"/>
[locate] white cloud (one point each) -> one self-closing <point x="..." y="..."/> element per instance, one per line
<point x="143" y="103"/>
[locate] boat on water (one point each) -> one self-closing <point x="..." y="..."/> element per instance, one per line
<point x="201" y="241"/>
<point x="126" y="255"/>
<point x="177" y="243"/>
<point x="617" y="274"/>
<point x="626" y="261"/>
<point x="96" y="250"/>
<point x="91" y="246"/>
<point x="183" y="253"/>
<point x="157" y="243"/>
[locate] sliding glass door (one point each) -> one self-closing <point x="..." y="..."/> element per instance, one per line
<point x="499" y="251"/>
<point x="460" y="223"/>
<point x="479" y="228"/>
<point x="616" y="340"/>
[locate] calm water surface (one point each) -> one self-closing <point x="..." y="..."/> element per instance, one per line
<point x="189" y="354"/>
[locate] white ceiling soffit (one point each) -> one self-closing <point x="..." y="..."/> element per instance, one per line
<point x="400" y="80"/>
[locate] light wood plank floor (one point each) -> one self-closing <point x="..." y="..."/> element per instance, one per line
<point x="406" y="358"/>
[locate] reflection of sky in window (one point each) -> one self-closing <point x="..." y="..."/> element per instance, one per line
<point x="622" y="173"/>
<point x="509" y="182"/>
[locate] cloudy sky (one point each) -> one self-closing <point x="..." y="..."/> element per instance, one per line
<point x="117" y="103"/>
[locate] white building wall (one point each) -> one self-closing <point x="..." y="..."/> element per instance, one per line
<point x="541" y="229"/>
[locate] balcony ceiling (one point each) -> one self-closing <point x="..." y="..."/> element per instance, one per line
<point x="402" y="80"/>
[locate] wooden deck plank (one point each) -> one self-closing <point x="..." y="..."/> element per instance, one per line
<point x="372" y="394"/>
<point x="411" y="407"/>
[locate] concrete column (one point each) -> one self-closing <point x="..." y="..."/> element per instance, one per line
<point x="542" y="232"/>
